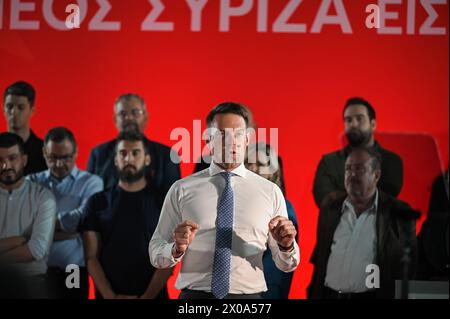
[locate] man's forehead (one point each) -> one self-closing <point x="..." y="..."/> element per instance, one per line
<point x="16" y="99"/>
<point x="229" y="119"/>
<point x="55" y="147"/>
<point x="229" y="129"/>
<point x="6" y="151"/>
<point x="129" y="104"/>
<point x="130" y="145"/>
<point x="355" y="109"/>
<point x="357" y="157"/>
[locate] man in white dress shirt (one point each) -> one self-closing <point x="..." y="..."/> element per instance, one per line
<point x="220" y="221"/>
<point x="359" y="231"/>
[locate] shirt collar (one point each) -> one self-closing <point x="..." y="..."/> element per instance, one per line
<point x="214" y="169"/>
<point x="348" y="204"/>
<point x="14" y="191"/>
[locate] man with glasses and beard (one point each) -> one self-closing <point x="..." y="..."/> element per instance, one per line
<point x="72" y="188"/>
<point x="360" y="124"/>
<point x="27" y="216"/>
<point x="118" y="226"/>
<point x="130" y="114"/>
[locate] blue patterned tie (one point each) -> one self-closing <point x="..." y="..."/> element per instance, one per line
<point x="220" y="283"/>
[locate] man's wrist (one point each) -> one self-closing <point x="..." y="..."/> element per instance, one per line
<point x="286" y="249"/>
<point x="175" y="253"/>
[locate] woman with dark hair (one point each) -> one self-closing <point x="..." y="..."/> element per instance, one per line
<point x="263" y="160"/>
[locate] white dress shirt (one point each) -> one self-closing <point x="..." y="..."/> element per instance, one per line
<point x="353" y="249"/>
<point x="195" y="198"/>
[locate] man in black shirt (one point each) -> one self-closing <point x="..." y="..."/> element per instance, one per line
<point x="18" y="106"/>
<point x="118" y="227"/>
<point x="360" y="123"/>
<point x="131" y="115"/>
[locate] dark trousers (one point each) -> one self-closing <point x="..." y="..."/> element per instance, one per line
<point x="57" y="282"/>
<point x="197" y="294"/>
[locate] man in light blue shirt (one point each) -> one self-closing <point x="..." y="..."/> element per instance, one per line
<point x="72" y="188"/>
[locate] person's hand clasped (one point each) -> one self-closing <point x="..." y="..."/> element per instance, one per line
<point x="283" y="231"/>
<point x="183" y="236"/>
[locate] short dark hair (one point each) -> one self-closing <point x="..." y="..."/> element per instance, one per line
<point x="21" y="88"/>
<point x="375" y="156"/>
<point x="131" y="136"/>
<point x="8" y="140"/>
<point x="361" y="101"/>
<point x="59" y="134"/>
<point x="227" y="108"/>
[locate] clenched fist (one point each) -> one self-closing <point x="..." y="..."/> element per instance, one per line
<point x="183" y="236"/>
<point x="283" y="231"/>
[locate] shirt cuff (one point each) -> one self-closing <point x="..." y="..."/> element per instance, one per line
<point x="292" y="256"/>
<point x="59" y="219"/>
<point x="168" y="253"/>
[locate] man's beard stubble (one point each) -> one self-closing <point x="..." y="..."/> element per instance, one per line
<point x="357" y="138"/>
<point x="129" y="176"/>
<point x="11" y="180"/>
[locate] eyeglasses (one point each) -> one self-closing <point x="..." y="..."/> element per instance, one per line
<point x="64" y="158"/>
<point x="357" y="169"/>
<point x="132" y="113"/>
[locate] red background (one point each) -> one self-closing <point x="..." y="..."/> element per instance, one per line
<point x="295" y="82"/>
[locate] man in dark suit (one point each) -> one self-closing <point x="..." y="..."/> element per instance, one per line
<point x="360" y="124"/>
<point x="362" y="236"/>
<point x="131" y="115"/>
<point x="19" y="107"/>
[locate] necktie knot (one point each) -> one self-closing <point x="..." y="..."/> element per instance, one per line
<point x="227" y="176"/>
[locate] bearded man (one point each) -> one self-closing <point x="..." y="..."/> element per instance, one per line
<point x="118" y="226"/>
<point x="27" y="219"/>
<point x="360" y="124"/>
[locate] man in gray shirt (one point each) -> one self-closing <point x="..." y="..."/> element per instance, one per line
<point x="27" y="214"/>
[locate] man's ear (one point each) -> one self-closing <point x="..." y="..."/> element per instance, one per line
<point x="208" y="136"/>
<point x="116" y="124"/>
<point x="373" y="124"/>
<point x="32" y="109"/>
<point x="377" y="175"/>
<point x="25" y="159"/>
<point x="148" y="159"/>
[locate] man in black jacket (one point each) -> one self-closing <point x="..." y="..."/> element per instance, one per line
<point x="360" y="123"/>
<point x="130" y="114"/>
<point x="19" y="106"/>
<point x="361" y="235"/>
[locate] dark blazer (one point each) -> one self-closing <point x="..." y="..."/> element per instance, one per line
<point x="161" y="172"/>
<point x="33" y="148"/>
<point x="331" y="170"/>
<point x="392" y="230"/>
